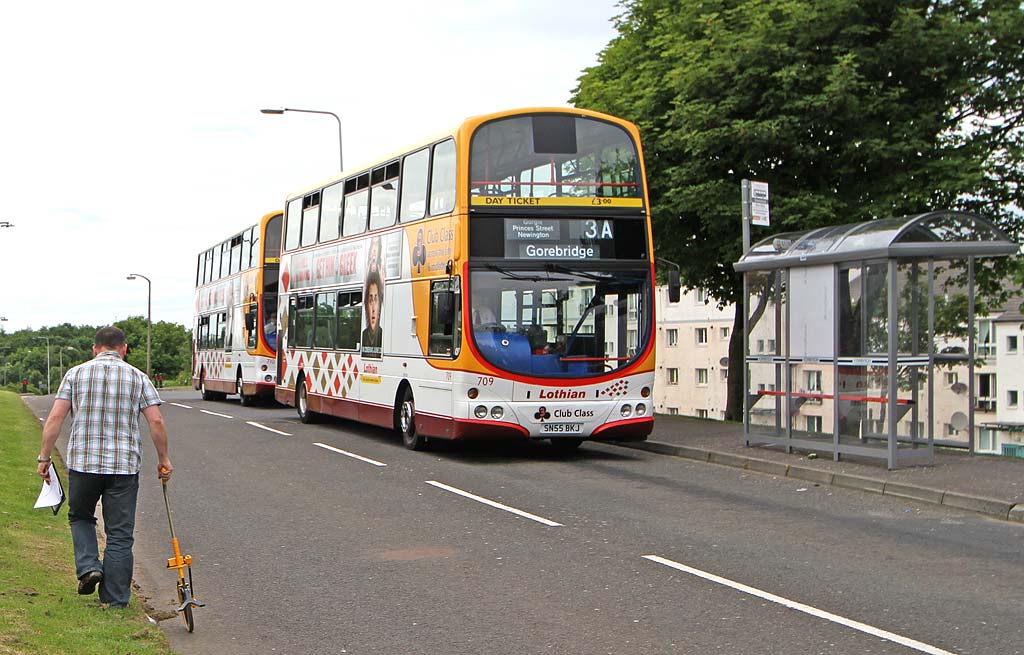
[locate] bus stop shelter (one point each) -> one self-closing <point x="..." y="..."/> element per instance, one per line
<point x="859" y="339"/>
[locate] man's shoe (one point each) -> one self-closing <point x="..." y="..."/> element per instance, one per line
<point x="87" y="583"/>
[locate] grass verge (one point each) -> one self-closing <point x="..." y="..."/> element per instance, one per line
<point x="40" y="609"/>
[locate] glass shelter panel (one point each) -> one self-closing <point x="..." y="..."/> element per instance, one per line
<point x="863" y="310"/>
<point x="812" y="401"/>
<point x="766" y="375"/>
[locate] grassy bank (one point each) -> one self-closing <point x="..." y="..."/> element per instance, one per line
<point x="40" y="610"/>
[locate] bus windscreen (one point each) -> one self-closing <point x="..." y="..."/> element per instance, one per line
<point x="544" y="158"/>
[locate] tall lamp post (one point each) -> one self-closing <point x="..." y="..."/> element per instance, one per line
<point x="61" y="359"/>
<point x="47" y="363"/>
<point x="341" y="157"/>
<point x="149" y="320"/>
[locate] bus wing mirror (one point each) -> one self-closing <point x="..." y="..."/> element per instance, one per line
<point x="673" y="286"/>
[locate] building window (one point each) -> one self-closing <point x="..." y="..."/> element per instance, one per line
<point x="986" y="338"/>
<point x="1011" y="398"/>
<point x="986" y="439"/>
<point x="724" y="374"/>
<point x="672" y="336"/>
<point x="673" y="411"/>
<point x="672" y="376"/>
<point x="759" y="346"/>
<point x="1011" y="343"/>
<point x="724" y="332"/>
<point x="771" y="345"/>
<point x="951" y="431"/>
<point x="814" y="424"/>
<point x="812" y="381"/>
<point x="702" y="376"/>
<point x="951" y="379"/>
<point x="702" y="413"/>
<point x="702" y="336"/>
<point x="702" y="296"/>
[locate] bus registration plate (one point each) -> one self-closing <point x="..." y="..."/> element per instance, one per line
<point x="563" y="428"/>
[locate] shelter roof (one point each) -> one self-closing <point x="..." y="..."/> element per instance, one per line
<point x="934" y="235"/>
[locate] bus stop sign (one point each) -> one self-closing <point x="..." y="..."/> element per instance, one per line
<point x="759" y="212"/>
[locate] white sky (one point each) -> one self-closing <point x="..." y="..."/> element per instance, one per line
<point x="131" y="137"/>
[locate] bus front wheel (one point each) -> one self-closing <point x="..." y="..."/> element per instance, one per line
<point x="207" y="395"/>
<point x="407" y="423"/>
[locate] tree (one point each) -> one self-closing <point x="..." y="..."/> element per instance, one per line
<point x="851" y="110"/>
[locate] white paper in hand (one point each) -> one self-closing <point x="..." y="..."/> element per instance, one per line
<point x="52" y="494"/>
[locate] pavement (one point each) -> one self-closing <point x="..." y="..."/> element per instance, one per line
<point x="986" y="484"/>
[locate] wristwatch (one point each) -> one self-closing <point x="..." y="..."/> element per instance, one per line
<point x="43" y="460"/>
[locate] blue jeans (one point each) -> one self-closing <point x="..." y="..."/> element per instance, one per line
<point x="119" y="494"/>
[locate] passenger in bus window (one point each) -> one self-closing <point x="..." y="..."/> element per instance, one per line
<point x="374" y="298"/>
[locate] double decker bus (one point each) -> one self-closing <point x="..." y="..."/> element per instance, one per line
<point x="234" y="344"/>
<point x="494" y="281"/>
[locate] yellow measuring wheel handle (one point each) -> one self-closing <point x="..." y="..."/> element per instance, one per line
<point x="179" y="562"/>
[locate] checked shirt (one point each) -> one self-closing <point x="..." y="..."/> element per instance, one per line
<point x="107" y="395"/>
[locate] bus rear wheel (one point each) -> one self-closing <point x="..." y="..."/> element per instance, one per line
<point x="247" y="401"/>
<point x="206" y="393"/>
<point x="302" y="403"/>
<point x="407" y="423"/>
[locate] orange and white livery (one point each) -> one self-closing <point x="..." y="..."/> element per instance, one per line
<point x="494" y="281"/>
<point x="235" y="339"/>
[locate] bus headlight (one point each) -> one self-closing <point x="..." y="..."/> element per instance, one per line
<point x="626" y="411"/>
<point x="646" y="392"/>
<point x="268" y="378"/>
<point x="641" y="409"/>
<point x="480" y="411"/>
<point x="497" y="412"/>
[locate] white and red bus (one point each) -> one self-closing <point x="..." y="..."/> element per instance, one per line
<point x="493" y="281"/>
<point x="234" y="344"/>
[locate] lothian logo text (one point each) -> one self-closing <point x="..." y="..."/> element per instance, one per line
<point x="557" y="394"/>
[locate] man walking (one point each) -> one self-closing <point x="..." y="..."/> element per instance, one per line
<point x="105" y="397"/>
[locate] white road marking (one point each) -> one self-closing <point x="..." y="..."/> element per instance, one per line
<point x="180" y="405"/>
<point x="348" y="454"/>
<point x="263" y="427"/>
<point x="800" y="607"/>
<point x="206" y="411"/>
<point x="517" y="512"/>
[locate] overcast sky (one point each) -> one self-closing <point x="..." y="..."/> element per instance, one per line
<point x="131" y="137"/>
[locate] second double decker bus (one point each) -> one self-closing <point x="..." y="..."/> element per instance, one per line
<point x="493" y="281"/>
<point x="235" y="338"/>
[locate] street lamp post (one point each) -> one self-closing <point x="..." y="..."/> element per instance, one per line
<point x="60" y="366"/>
<point x="47" y="363"/>
<point x="341" y="156"/>
<point x="149" y="321"/>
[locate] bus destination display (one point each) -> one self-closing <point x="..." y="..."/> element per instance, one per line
<point x="558" y="238"/>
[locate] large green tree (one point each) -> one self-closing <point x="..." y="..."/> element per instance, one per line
<point x="851" y="110"/>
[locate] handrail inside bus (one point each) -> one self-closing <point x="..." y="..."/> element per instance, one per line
<point x="571" y="358"/>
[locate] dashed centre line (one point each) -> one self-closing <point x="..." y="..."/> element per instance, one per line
<point x="485" y="501"/>
<point x="268" y="429"/>
<point x="800" y="607"/>
<point x="180" y="405"/>
<point x="348" y="454"/>
<point x="206" y="411"/>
